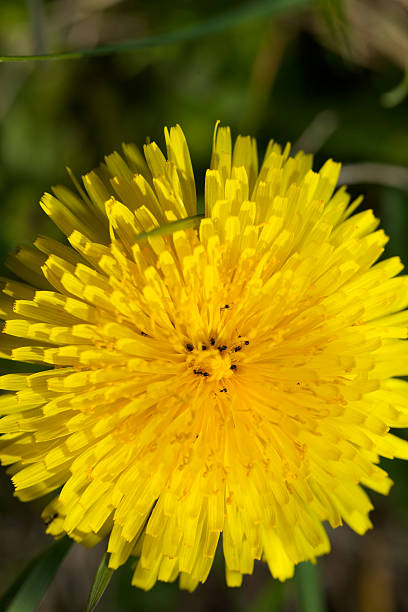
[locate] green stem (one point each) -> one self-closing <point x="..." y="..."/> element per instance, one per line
<point x="309" y="588"/>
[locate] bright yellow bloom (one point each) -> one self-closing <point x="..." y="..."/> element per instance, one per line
<point x="236" y="378"/>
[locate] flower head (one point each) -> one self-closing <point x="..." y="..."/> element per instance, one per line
<point x="232" y="375"/>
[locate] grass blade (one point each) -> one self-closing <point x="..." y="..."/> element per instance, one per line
<point x="173" y="226"/>
<point x="246" y="13"/>
<point x="102" y="578"/>
<point x="27" y="590"/>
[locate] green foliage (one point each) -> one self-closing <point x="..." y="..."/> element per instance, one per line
<point x="242" y="14"/>
<point x="27" y="590"/>
<point x="102" y="578"/>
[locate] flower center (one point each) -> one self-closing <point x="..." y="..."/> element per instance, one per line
<point x="215" y="361"/>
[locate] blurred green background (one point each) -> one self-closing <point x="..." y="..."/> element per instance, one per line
<point x="314" y="73"/>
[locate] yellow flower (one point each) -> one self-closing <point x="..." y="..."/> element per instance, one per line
<point x="236" y="378"/>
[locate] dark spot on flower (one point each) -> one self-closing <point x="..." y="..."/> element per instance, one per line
<point x="212" y="341"/>
<point x="237" y="348"/>
<point x="189" y="347"/>
<point x="246" y="342"/>
<point x="49" y="519"/>
<point x="203" y="348"/>
<point x="233" y="367"/>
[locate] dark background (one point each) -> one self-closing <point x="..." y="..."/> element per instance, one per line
<point x="315" y="75"/>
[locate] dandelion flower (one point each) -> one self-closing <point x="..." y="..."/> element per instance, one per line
<point x="234" y="373"/>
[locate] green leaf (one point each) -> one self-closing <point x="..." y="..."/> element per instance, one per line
<point x="170" y="228"/>
<point x="251" y="11"/>
<point x="27" y="590"/>
<point x="101" y="581"/>
<point x="310" y="594"/>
